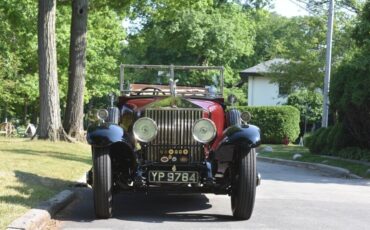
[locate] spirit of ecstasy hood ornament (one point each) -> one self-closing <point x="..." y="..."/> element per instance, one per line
<point x="173" y="86"/>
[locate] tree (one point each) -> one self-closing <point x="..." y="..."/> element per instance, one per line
<point x="304" y="46"/>
<point x="193" y="33"/>
<point x="19" y="87"/>
<point x="350" y="94"/>
<point x="18" y="60"/>
<point x="309" y="104"/>
<point x="320" y="6"/>
<point x="73" y="120"/>
<point x="50" y="126"/>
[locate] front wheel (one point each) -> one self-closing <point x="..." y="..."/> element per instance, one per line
<point x="244" y="184"/>
<point x="102" y="183"/>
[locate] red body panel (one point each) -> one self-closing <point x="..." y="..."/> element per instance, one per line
<point x="217" y="116"/>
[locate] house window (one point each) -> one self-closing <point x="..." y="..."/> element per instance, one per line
<point x="283" y="90"/>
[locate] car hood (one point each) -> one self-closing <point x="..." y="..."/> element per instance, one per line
<point x="181" y="102"/>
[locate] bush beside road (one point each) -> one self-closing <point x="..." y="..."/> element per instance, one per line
<point x="277" y="122"/>
<point x="286" y="152"/>
<point x="33" y="171"/>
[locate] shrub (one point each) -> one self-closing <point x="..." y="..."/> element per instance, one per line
<point x="355" y="153"/>
<point x="309" y="104"/>
<point x="310" y="141"/>
<point x="341" y="138"/>
<point x="322" y="145"/>
<point x="334" y="141"/>
<point x="316" y="143"/>
<point x="275" y="122"/>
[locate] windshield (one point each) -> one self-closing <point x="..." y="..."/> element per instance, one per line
<point x="186" y="80"/>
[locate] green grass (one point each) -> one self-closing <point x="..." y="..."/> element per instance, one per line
<point x="287" y="152"/>
<point x="33" y="171"/>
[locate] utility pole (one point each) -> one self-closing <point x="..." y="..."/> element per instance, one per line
<point x="329" y="39"/>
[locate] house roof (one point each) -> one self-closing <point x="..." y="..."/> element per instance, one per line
<point x="261" y="68"/>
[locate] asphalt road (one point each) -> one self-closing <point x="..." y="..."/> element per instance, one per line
<point x="288" y="198"/>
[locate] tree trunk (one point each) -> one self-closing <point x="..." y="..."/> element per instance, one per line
<point x="50" y="126"/>
<point x="73" y="121"/>
<point x="25" y="111"/>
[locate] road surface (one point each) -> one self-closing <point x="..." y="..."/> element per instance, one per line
<point x="288" y="198"/>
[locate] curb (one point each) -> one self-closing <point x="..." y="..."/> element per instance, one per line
<point x="327" y="169"/>
<point x="37" y="218"/>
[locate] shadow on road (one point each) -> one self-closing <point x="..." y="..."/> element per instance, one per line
<point x="165" y="207"/>
<point x="151" y="208"/>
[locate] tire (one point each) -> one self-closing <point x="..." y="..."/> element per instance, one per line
<point x="244" y="184"/>
<point x="102" y="183"/>
<point x="233" y="117"/>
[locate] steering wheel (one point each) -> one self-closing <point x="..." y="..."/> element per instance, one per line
<point x="156" y="90"/>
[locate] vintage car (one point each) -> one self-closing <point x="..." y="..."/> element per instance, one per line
<point x="171" y="131"/>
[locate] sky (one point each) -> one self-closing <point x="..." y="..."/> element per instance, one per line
<point x="289" y="8"/>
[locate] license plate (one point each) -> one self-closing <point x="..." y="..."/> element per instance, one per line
<point x="173" y="177"/>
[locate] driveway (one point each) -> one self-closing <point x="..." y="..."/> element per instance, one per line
<point x="288" y="198"/>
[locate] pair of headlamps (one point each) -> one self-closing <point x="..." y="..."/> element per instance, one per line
<point x="145" y="129"/>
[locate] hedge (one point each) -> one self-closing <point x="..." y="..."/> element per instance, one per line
<point x="329" y="140"/>
<point x="336" y="141"/>
<point x="276" y="122"/>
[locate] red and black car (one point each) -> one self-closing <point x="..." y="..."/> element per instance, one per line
<point x="172" y="131"/>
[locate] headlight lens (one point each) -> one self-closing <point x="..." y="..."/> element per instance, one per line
<point x="204" y="130"/>
<point x="102" y="114"/>
<point x="145" y="129"/>
<point x="246" y="116"/>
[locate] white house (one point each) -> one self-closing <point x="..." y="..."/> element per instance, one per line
<point x="261" y="91"/>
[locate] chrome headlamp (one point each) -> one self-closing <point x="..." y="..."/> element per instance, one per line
<point x="145" y="129"/>
<point x="204" y="130"/>
<point x="102" y="114"/>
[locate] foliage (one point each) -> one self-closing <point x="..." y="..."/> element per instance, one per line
<point x="329" y="140"/>
<point x="350" y="94"/>
<point x="105" y="44"/>
<point x="192" y="33"/>
<point x="334" y="141"/>
<point x="270" y="38"/>
<point x="276" y="122"/>
<point x="236" y="34"/>
<point x="18" y="57"/>
<point x="350" y="100"/>
<point x="355" y="153"/>
<point x="361" y="32"/>
<point x="309" y="104"/>
<point x="321" y="6"/>
<point x="304" y="45"/>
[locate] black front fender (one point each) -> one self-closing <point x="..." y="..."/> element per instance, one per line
<point x="103" y="135"/>
<point x="245" y="136"/>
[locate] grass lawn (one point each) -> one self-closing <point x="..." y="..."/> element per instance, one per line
<point x="33" y="171"/>
<point x="287" y="152"/>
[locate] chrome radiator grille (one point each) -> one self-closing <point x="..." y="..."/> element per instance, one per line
<point x="174" y="132"/>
